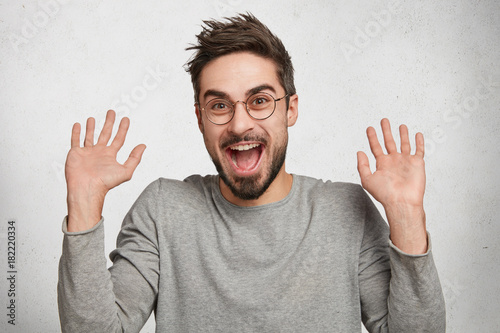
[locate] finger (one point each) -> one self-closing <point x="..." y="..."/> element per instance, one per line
<point x="390" y="145"/>
<point x="75" y="135"/>
<point x="89" y="133"/>
<point x="121" y="134"/>
<point x="373" y="141"/>
<point x="405" y="140"/>
<point x="134" y="159"/>
<point x="107" y="129"/>
<point x="363" y="166"/>
<point x="420" y="144"/>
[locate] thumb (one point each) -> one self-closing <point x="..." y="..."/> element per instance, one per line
<point x="134" y="159"/>
<point x="363" y="166"/>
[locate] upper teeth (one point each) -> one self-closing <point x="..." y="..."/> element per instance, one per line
<point x="245" y="147"/>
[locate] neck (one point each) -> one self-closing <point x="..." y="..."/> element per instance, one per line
<point x="277" y="191"/>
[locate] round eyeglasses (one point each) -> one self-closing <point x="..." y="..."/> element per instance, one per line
<point x="259" y="106"/>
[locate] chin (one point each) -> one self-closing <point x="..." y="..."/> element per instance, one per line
<point x="246" y="188"/>
<point x="251" y="187"/>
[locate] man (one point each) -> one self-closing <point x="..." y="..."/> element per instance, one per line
<point x="254" y="249"/>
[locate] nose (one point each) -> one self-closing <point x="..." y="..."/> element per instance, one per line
<point x="241" y="122"/>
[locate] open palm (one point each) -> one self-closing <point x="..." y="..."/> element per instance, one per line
<point x="92" y="170"/>
<point x="398" y="183"/>
<point x="399" y="176"/>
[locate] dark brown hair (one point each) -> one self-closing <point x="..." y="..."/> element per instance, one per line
<point x="239" y="34"/>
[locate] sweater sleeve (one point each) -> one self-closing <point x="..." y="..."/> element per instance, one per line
<point x="416" y="302"/>
<point x="92" y="298"/>
<point x="399" y="292"/>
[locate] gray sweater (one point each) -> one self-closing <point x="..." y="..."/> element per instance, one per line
<point x="320" y="260"/>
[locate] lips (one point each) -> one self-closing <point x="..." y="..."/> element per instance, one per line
<point x="245" y="158"/>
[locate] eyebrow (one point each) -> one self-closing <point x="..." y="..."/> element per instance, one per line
<point x="221" y="94"/>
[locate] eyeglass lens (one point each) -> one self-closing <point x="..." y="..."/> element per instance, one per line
<point x="260" y="106"/>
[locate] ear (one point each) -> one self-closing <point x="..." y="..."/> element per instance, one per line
<point x="293" y="110"/>
<point x="197" y="111"/>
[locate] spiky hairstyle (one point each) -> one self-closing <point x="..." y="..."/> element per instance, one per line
<point x="242" y="33"/>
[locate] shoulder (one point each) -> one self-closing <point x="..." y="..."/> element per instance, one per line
<point x="341" y="199"/>
<point x="193" y="188"/>
<point x="171" y="196"/>
<point x="328" y="190"/>
<point x="344" y="207"/>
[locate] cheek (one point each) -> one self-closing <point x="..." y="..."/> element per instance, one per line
<point x="211" y="136"/>
<point x="279" y="121"/>
<point x="279" y="129"/>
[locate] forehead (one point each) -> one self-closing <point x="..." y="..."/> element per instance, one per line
<point x="237" y="73"/>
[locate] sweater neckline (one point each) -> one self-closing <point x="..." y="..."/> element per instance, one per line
<point x="219" y="198"/>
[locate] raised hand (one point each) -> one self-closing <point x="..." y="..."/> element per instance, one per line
<point x="398" y="183"/>
<point x="92" y="170"/>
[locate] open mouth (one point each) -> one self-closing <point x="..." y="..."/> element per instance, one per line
<point x="245" y="158"/>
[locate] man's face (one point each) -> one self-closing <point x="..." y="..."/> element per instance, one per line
<point x="249" y="154"/>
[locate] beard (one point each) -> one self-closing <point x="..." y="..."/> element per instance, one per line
<point x="252" y="187"/>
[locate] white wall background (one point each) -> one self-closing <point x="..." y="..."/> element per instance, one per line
<point x="433" y="65"/>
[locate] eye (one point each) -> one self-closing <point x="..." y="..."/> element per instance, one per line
<point x="218" y="106"/>
<point x="260" y="101"/>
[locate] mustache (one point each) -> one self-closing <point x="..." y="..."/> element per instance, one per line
<point x="233" y="139"/>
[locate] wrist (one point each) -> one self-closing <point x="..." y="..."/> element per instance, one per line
<point x="84" y="210"/>
<point x="408" y="228"/>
